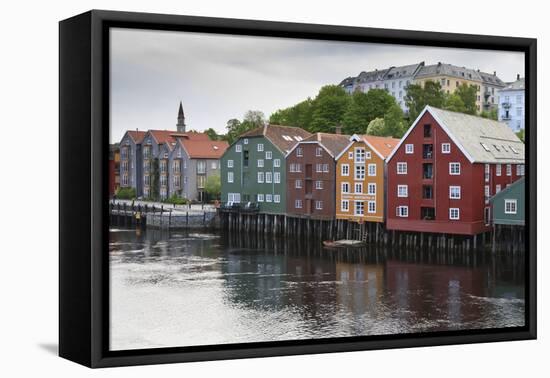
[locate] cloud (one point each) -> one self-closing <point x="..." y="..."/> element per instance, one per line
<point x="219" y="77"/>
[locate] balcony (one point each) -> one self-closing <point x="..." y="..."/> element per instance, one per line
<point x="506" y="105"/>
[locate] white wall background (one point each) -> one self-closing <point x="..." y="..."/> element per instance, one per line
<point x="29" y="187"/>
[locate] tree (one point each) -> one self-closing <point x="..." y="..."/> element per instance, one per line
<point x="521" y="135"/>
<point x="376" y="127"/>
<point x="392" y="125"/>
<point x="235" y="128"/>
<point x="418" y="97"/>
<point x="491" y="114"/>
<point x="298" y="115"/>
<point x="364" y="107"/>
<point x="454" y="103"/>
<point x="154" y="193"/>
<point x="213" y="186"/>
<point x="468" y="95"/>
<point x="212" y="134"/>
<point x="328" y="108"/>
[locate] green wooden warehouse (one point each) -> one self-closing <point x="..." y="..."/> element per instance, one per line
<point x="508" y="205"/>
<point x="253" y="168"/>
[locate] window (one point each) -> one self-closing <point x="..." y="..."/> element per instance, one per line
<point x="487" y="172"/>
<point x="402" y="211"/>
<point x="520" y="169"/>
<point x="344" y="205"/>
<point x="409" y="148"/>
<point x="371" y="207"/>
<point x="358" y="188"/>
<point x="260" y="147"/>
<point x="454" y="169"/>
<point x="427" y="213"/>
<point x="238" y="148"/>
<point x="325" y="168"/>
<point x="359" y="208"/>
<point x="427" y="151"/>
<point x="201" y="167"/>
<point x="245" y="141"/>
<point x="359" y="172"/>
<point x="427" y="131"/>
<point x="454" y="192"/>
<point x="445" y="148"/>
<point x="359" y="155"/>
<point x="350" y="155"/>
<point x="213" y="165"/>
<point x="298" y="167"/>
<point x="371" y="189"/>
<point x="268" y="155"/>
<point x="260" y="163"/>
<point x="401" y="168"/>
<point x="277" y="177"/>
<point x="230" y="164"/>
<point x="298" y="204"/>
<point x="508" y="169"/>
<point x="268" y="177"/>
<point x="298" y="184"/>
<point x="260" y="177"/>
<point x="519" y="111"/>
<point x="318" y="184"/>
<point x="318" y="205"/>
<point x="499" y="169"/>
<point x="268" y="197"/>
<point x="299" y="152"/>
<point x="318" y="152"/>
<point x="402" y="190"/>
<point x="427" y="192"/>
<point x="260" y="198"/>
<point x="345" y="169"/>
<point x="498" y="188"/>
<point x="345" y="187"/>
<point x="318" y="168"/>
<point x="487" y="192"/>
<point x="292" y="167"/>
<point x="277" y="163"/>
<point x="230" y="177"/>
<point x="510" y="206"/>
<point x="277" y="198"/>
<point x="372" y="169"/>
<point x="427" y="171"/>
<point x="454" y="213"/>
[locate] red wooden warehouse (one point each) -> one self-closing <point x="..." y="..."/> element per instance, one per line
<point x="445" y="169"/>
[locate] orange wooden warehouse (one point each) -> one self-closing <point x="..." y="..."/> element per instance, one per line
<point x="360" y="178"/>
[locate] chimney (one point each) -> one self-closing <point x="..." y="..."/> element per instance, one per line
<point x="338" y="129"/>
<point x="494" y="73"/>
<point x="518" y="77"/>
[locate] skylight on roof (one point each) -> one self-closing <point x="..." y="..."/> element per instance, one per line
<point x="215" y="147"/>
<point x="286" y="137"/>
<point x="298" y="138"/>
<point x="514" y="150"/>
<point x="496" y="147"/>
<point x="486" y="147"/>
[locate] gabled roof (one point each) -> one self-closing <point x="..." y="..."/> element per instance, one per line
<point x="518" y="85"/>
<point x="332" y="143"/>
<point x="136" y="135"/>
<point x="445" y="69"/>
<point x="382" y="146"/>
<point x="504" y="191"/>
<point x="403" y="71"/>
<point x="481" y="140"/>
<point x="282" y="137"/>
<point x="203" y="149"/>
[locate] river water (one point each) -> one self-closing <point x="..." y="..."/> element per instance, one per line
<point x="191" y="288"/>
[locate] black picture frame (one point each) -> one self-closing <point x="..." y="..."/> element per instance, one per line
<point x="83" y="211"/>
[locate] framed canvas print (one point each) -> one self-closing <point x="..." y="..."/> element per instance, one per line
<point x="234" y="188"/>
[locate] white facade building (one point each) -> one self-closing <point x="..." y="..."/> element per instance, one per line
<point x="511" y="109"/>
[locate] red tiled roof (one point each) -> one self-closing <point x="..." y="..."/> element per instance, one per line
<point x="334" y="143"/>
<point x="283" y="137"/>
<point x="384" y="145"/>
<point x="136" y="135"/>
<point x="204" y="149"/>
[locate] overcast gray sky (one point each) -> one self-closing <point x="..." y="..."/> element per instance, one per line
<point x="219" y="77"/>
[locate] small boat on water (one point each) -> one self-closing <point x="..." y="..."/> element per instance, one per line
<point x="343" y="243"/>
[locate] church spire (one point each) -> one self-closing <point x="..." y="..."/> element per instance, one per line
<point x="181" y="120"/>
